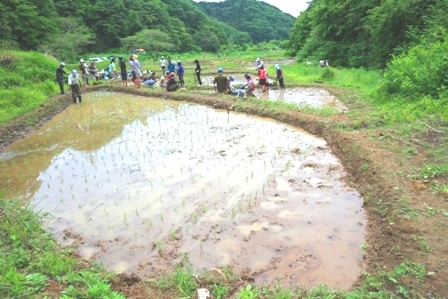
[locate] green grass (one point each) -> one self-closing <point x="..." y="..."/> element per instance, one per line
<point x="30" y="259"/>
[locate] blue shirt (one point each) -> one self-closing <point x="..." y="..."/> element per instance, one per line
<point x="171" y="67"/>
<point x="180" y="70"/>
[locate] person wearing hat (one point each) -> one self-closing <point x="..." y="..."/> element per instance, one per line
<point x="259" y="63"/>
<point x="123" y="71"/>
<point x="171" y="84"/>
<point x="83" y="69"/>
<point x="180" y="73"/>
<point x="136" y="70"/>
<point x="220" y="82"/>
<point x="163" y="64"/>
<point x="197" y="71"/>
<point x="74" y="83"/>
<point x="60" y="76"/>
<point x="279" y="77"/>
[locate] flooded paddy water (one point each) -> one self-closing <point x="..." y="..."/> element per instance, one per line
<point x="141" y="184"/>
<point x="300" y="96"/>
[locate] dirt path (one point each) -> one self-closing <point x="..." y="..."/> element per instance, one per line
<point x="406" y="220"/>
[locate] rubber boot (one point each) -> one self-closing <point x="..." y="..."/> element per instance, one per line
<point x="80" y="99"/>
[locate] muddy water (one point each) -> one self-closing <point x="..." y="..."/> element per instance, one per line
<point x="141" y="184"/>
<point x="300" y="96"/>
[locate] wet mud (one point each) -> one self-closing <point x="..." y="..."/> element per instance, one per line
<point x="141" y="184"/>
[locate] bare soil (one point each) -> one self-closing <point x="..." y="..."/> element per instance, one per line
<point x="372" y="156"/>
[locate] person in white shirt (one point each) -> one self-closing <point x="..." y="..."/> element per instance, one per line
<point x="163" y="64"/>
<point x="74" y="83"/>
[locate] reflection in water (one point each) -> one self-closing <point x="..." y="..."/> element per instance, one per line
<point x="140" y="184"/>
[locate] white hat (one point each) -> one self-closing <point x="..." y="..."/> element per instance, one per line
<point x="277" y="66"/>
<point x="81" y="60"/>
<point x="63" y="64"/>
<point x="258" y="59"/>
<point x="74" y="72"/>
<point x="163" y="57"/>
<point x="179" y="61"/>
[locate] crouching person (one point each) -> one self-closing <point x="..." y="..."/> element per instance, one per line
<point x="171" y="84"/>
<point x="74" y="83"/>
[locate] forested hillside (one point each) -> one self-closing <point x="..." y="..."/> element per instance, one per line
<point x="367" y="33"/>
<point x="262" y="21"/>
<point x="66" y="28"/>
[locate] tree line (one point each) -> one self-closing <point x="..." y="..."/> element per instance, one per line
<point x="366" y="33"/>
<point x="65" y="28"/>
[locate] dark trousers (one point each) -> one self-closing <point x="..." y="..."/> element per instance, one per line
<point x="282" y="84"/>
<point x="61" y="84"/>
<point x="181" y="80"/>
<point x="76" y="92"/>
<point x="198" y="75"/>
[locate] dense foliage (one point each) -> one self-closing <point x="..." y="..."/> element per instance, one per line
<point x="262" y="21"/>
<point x="66" y="29"/>
<point x="366" y="33"/>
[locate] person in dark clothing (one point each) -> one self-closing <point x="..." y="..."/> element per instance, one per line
<point x="124" y="72"/>
<point x="279" y="77"/>
<point x="197" y="71"/>
<point x="171" y="84"/>
<point x="60" y="76"/>
<point x="220" y="82"/>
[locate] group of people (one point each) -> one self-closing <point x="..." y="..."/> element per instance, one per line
<point x="222" y="83"/>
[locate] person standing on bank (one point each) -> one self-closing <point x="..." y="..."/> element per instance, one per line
<point x="83" y="69"/>
<point x="279" y="77"/>
<point x="197" y="71"/>
<point x="163" y="64"/>
<point x="220" y="82"/>
<point x="180" y="73"/>
<point x="60" y="76"/>
<point x="171" y="67"/>
<point x="123" y="71"/>
<point x="74" y="83"/>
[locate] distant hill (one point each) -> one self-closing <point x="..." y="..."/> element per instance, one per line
<point x="262" y="21"/>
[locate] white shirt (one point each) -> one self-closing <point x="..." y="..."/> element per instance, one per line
<point x="73" y="79"/>
<point x="162" y="62"/>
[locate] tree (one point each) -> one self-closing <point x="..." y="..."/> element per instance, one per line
<point x="74" y="38"/>
<point x="152" y="40"/>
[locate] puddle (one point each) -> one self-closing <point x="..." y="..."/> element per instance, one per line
<point x="299" y="96"/>
<point x="139" y="184"/>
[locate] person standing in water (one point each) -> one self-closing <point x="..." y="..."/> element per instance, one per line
<point x="279" y="77"/>
<point x="74" y="83"/>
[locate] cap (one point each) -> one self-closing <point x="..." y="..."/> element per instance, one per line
<point x="63" y="64"/>
<point x="121" y="57"/>
<point x="258" y="59"/>
<point x="131" y="57"/>
<point x="163" y="57"/>
<point x="81" y="60"/>
<point x="135" y="56"/>
<point x="179" y="61"/>
<point x="232" y="78"/>
<point x="74" y="72"/>
<point x="277" y="66"/>
<point x="220" y="70"/>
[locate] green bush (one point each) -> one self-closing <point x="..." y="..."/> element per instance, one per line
<point x="27" y="79"/>
<point x="419" y="72"/>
